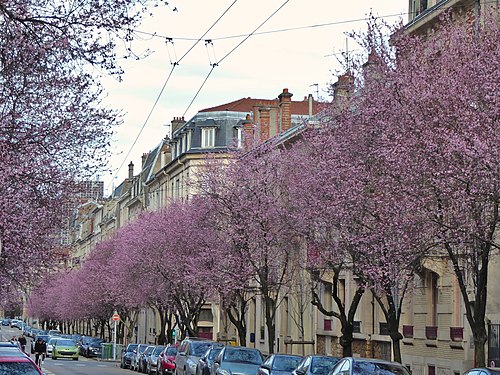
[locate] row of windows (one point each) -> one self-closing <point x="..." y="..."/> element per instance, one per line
<point x="207" y="140"/>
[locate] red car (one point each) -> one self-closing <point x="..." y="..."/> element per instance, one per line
<point x="18" y="365"/>
<point x="166" y="360"/>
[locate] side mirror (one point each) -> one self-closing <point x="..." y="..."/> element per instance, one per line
<point x="300" y="372"/>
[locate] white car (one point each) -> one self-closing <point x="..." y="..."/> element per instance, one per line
<point x="50" y="346"/>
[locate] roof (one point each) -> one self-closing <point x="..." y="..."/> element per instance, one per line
<point x="247" y="105"/>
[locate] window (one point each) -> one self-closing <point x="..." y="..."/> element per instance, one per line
<point x="238" y="137"/>
<point x="188" y="141"/>
<point x="207" y="137"/>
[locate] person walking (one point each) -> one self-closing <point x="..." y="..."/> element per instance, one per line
<point x="22" y="342"/>
<point x="40" y="351"/>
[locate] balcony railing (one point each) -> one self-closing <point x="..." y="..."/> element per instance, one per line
<point x="408" y="332"/>
<point x="456" y="333"/>
<point x="431" y="332"/>
<point x="327" y="324"/>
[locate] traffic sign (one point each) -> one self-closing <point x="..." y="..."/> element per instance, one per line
<point x="116" y="317"/>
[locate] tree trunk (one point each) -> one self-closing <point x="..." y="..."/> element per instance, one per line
<point x="480" y="339"/>
<point x="240" y="323"/>
<point x="270" y="304"/>
<point x="163" y="322"/>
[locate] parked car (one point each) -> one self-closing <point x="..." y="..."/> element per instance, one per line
<point x="8" y="348"/>
<point x="152" y="361"/>
<point x="237" y="360"/>
<point x="362" y="366"/>
<point x="482" y="371"/>
<point x="143" y="359"/>
<point x="166" y="360"/>
<point x="206" y="361"/>
<point x="65" y="348"/>
<point x="279" y="364"/>
<point x="6" y="322"/>
<point x="54" y="332"/>
<point x="316" y="365"/>
<point x="18" y="365"/>
<point x="134" y="364"/>
<point x="127" y="355"/>
<point x="188" y="355"/>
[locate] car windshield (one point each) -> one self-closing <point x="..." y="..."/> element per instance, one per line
<point x="132" y="347"/>
<point x="150" y="349"/>
<point x="200" y="347"/>
<point x="213" y="353"/>
<point x="171" y="351"/>
<point x="365" y="368"/>
<point x="65" y="342"/>
<point x="18" y="368"/>
<point x="242" y="355"/>
<point x="158" y="350"/>
<point x="286" y="363"/>
<point x="323" y="365"/>
<point x="142" y="348"/>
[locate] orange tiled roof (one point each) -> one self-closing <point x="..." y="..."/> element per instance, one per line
<point x="248" y="104"/>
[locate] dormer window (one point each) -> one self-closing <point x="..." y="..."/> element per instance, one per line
<point x="238" y="136"/>
<point x="207" y="137"/>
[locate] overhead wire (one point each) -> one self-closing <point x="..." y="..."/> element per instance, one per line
<point x="231" y="51"/>
<point x="158" y="97"/>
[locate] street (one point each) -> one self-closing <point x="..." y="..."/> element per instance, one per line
<point x="84" y="366"/>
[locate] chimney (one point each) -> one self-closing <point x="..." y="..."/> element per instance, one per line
<point x="343" y="88"/>
<point x="131" y="171"/>
<point x="248" y="133"/>
<point x="310" y="102"/>
<point x="144" y="158"/>
<point x="264" y="120"/>
<point x="285" y="111"/>
<point x="177" y="123"/>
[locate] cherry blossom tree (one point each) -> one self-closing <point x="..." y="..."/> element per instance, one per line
<point x="252" y="209"/>
<point x="54" y="128"/>
<point x="420" y="139"/>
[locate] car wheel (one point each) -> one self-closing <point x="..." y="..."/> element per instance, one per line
<point x="54" y="357"/>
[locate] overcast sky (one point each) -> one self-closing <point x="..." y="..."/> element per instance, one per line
<point x="297" y="48"/>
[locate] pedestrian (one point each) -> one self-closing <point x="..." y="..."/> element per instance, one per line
<point x="40" y="351"/>
<point x="13" y="339"/>
<point x="22" y="342"/>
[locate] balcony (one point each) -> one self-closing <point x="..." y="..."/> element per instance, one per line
<point x="456" y="333"/>
<point x="408" y="332"/>
<point x="431" y="332"/>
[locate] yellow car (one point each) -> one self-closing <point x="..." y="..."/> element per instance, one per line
<point x="65" y="348"/>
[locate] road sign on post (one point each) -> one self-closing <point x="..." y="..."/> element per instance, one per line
<point x="116" y="318"/>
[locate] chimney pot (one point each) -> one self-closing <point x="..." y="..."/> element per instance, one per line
<point x="131" y="171"/>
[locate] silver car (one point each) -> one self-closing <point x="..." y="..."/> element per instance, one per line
<point x="188" y="355"/>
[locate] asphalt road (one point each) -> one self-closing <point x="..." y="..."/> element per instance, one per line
<point x="84" y="366"/>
